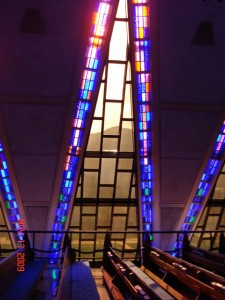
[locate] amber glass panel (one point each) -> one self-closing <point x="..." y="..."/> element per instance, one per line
<point x="120" y="210"/>
<point x="88" y="223"/>
<point x="125" y="164"/>
<point x="212" y="222"/>
<point x="223" y="219"/>
<point x="91" y="163"/>
<point x="202" y="219"/>
<point x="123" y="185"/>
<point x="108" y="170"/>
<point x="5" y="241"/>
<point x="75" y="240"/>
<point x="100" y="240"/>
<point x="87" y="246"/>
<point x="75" y="220"/>
<point x="133" y="218"/>
<point x="110" y="144"/>
<point x="219" y="192"/>
<point x="118" y="225"/>
<point x="89" y="210"/>
<point x="78" y="193"/>
<point x="106" y="192"/>
<point x="104" y="215"/>
<point x="215" y="210"/>
<point x="133" y="193"/>
<point x="90" y="184"/>
<point x="2" y="221"/>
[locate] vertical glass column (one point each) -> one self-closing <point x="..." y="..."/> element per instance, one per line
<point x="204" y="186"/>
<point x="89" y="78"/>
<point x="8" y="195"/>
<point x="141" y="39"/>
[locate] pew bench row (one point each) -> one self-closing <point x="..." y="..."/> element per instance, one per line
<point x="76" y="280"/>
<point x="180" y="277"/>
<point x="206" y="259"/>
<point x="126" y="281"/>
<point x="17" y="282"/>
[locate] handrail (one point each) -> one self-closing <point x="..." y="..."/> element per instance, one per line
<point x="71" y="232"/>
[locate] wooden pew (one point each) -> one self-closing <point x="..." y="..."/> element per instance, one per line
<point x="209" y="260"/>
<point x="182" y="279"/>
<point x="16" y="283"/>
<point x="76" y="280"/>
<point x="127" y="281"/>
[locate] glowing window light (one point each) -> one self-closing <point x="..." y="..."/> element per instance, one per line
<point x="204" y="185"/>
<point x="142" y="68"/>
<point x="88" y="81"/>
<point x="140" y="1"/>
<point x="8" y="195"/>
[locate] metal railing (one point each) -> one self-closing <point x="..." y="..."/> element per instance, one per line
<point x="41" y="253"/>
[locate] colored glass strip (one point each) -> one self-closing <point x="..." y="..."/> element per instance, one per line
<point x="8" y="195"/>
<point x="142" y="69"/>
<point x="88" y="82"/>
<point x="204" y="185"/>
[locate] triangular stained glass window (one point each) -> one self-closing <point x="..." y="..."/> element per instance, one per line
<point x="109" y="183"/>
<point x="106" y="197"/>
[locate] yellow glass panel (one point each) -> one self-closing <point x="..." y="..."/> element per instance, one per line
<point x="141" y="33"/>
<point x="145" y="11"/>
<point x="138" y="66"/>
